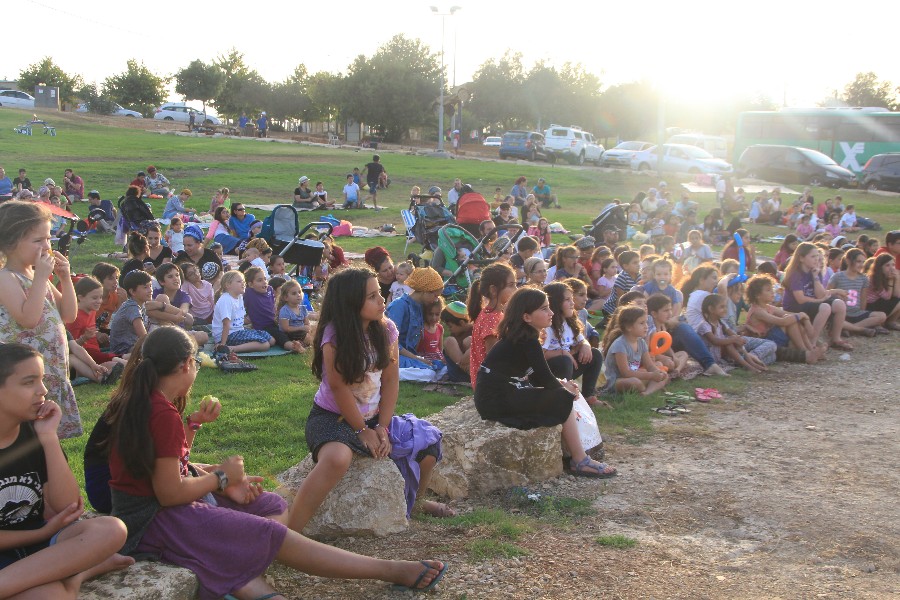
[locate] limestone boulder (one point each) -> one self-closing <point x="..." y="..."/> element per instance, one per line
<point x="483" y="456"/>
<point x="368" y="501"/>
<point x="144" y="580"/>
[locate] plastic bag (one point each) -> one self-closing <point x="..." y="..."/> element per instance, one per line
<point x="586" y="420"/>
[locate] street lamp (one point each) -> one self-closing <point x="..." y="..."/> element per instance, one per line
<point x="443" y="16"/>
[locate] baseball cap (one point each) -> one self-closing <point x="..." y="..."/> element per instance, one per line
<point x="93" y="194"/>
<point x="49" y="181"/>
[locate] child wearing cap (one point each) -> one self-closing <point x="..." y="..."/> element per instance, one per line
<point x="457" y="344"/>
<point x="407" y="314"/>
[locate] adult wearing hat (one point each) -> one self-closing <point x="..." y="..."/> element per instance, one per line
<point x="380" y="260"/>
<point x="207" y="261"/>
<point x="407" y="313"/>
<point x="156" y="182"/>
<point x="303" y="196"/>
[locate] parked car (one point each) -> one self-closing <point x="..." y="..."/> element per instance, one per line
<point x="573" y="144"/>
<point x="16" y="99"/>
<point x="179" y="111"/>
<point x="681" y="158"/>
<point x="882" y="172"/>
<point x="523" y="144"/>
<point x="793" y="165"/>
<point x="621" y="155"/>
<point x="715" y="145"/>
<point x="493" y="140"/>
<point x="119" y="111"/>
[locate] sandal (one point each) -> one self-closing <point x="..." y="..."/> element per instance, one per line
<point x="707" y="394"/>
<point x="594" y="401"/>
<point x="600" y="470"/>
<point x="841" y="345"/>
<point x="415" y="586"/>
<point x="882" y="331"/>
<point x="680" y="409"/>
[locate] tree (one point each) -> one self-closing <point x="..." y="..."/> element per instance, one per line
<point x="497" y="87"/>
<point x="542" y="95"/>
<point x="629" y="111"/>
<point x="326" y="94"/>
<point x="199" y="81"/>
<point x="394" y="89"/>
<point x="46" y="72"/>
<point x="137" y="88"/>
<point x="867" y="90"/>
<point x="96" y="103"/>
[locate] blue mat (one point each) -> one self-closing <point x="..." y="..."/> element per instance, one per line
<point x="273" y="351"/>
<point x="80" y="381"/>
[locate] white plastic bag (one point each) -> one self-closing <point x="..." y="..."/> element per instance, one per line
<point x="586" y="421"/>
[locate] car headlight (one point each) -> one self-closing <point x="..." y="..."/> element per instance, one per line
<point x="832" y="175"/>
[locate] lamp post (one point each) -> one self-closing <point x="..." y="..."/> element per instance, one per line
<point x="443" y="16"/>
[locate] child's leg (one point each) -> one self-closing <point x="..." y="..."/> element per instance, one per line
<point x="665" y="361"/>
<point x="818" y="324"/>
<point x="796" y="336"/>
<point x="201" y="336"/>
<point x="681" y="359"/>
<point x="435" y="509"/>
<point x="333" y="461"/>
<point x="83" y="550"/>
<point x="83" y="369"/>
<point x="873" y="320"/>
<point x="630" y="384"/>
<point x="654" y="386"/>
<point x="453" y="350"/>
<point x="839" y="314"/>
<point x="250" y="347"/>
<point x="572" y="441"/>
<point x="308" y="556"/>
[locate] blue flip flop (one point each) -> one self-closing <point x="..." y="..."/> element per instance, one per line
<point x="415" y="586"/>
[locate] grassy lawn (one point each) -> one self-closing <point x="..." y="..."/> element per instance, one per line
<point x="265" y="411"/>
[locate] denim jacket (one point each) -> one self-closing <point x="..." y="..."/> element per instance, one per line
<point x="407" y="315"/>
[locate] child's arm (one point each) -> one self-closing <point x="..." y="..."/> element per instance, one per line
<point x="346" y="402"/>
<point x="649" y="367"/>
<point x="27" y="307"/>
<point x="625" y="371"/>
<point x="226" y="329"/>
<point x="779" y="317"/>
<point x="285" y="325"/>
<point x="722" y="288"/>
<point x="390" y="390"/>
<point x="165" y="311"/>
<point x="711" y="339"/>
<point x="138" y="326"/>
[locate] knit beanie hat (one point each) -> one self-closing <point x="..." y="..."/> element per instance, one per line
<point x="458" y="310"/>
<point x="375" y="256"/>
<point x="425" y="279"/>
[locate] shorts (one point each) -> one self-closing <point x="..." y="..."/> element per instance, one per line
<point x="857" y="318"/>
<point x="373" y="187"/>
<point x="778" y="335"/>
<point x="245" y="336"/>
<point x="8" y="557"/>
<point x="811" y="309"/>
<point x="886" y="306"/>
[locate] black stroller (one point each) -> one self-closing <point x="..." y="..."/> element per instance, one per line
<point x="282" y="232"/>
<point x="616" y="216"/>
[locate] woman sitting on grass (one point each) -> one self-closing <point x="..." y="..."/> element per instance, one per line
<point x="215" y="521"/>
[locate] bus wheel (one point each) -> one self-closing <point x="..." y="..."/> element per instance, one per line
<point x="815" y="181"/>
<point x="873" y="186"/>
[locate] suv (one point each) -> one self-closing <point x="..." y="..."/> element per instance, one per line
<point x="574" y="144"/>
<point x="882" y="172"/>
<point x="792" y="164"/>
<point x="16" y="99"/>
<point x="523" y="144"/>
<point x="179" y="111"/>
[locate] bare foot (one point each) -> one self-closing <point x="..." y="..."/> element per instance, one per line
<point x="815" y="355"/>
<point x="116" y="562"/>
<point x="436" y="509"/>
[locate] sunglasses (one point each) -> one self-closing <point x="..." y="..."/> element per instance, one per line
<point x="239" y="210"/>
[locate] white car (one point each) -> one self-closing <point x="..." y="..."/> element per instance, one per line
<point x="119" y="112"/>
<point x="681" y="158"/>
<point x="178" y="111"/>
<point x="621" y="155"/>
<point x="574" y="144"/>
<point x="16" y="99"/>
<point x="493" y="140"/>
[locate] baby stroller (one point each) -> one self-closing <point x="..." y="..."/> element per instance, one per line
<point x="463" y="253"/>
<point x="429" y="218"/>
<point x="134" y="215"/>
<point x="282" y="232"/>
<point x="616" y="216"/>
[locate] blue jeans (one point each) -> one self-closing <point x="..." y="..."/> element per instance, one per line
<point x="685" y="338"/>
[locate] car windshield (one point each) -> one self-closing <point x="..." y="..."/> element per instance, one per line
<point x="695" y="152"/>
<point x="817" y="157"/>
<point x="629" y="146"/>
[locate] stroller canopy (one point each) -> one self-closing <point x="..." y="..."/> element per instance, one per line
<point x="472" y="209"/>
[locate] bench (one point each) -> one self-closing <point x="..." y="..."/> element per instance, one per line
<point x="23" y="129"/>
<point x="49" y="130"/>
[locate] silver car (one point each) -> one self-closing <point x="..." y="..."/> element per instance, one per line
<point x="681" y="158"/>
<point x="178" y="111"/>
<point x="621" y="155"/>
<point x="120" y="111"/>
<point x="16" y="99"/>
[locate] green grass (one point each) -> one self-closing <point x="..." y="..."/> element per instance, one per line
<point x="265" y="411"/>
<point x="494" y="532"/>
<point x="619" y="542"/>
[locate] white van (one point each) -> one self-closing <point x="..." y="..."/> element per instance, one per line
<point x="715" y="145"/>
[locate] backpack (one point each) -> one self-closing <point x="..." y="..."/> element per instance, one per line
<point x="134" y="210"/>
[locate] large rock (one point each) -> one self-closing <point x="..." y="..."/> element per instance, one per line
<point x="483" y="456"/>
<point x="144" y="580"/>
<point x="368" y="501"/>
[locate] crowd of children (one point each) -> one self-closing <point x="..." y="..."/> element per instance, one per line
<point x="526" y="331"/>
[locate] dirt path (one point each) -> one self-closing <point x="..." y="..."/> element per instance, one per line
<point x="789" y="490"/>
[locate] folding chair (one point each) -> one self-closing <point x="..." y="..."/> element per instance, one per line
<point x="409" y="220"/>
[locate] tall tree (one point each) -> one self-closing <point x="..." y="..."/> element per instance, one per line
<point x="199" y="81"/>
<point x="327" y="95"/>
<point x="137" y="88"/>
<point x="867" y="90"/>
<point x="542" y="95"/>
<point x="46" y="72"/>
<point x="394" y="89"/>
<point x="243" y="89"/>
<point x="497" y="87"/>
<point x="629" y="111"/>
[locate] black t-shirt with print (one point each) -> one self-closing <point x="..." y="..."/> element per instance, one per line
<point x="209" y="264"/>
<point x="23" y="473"/>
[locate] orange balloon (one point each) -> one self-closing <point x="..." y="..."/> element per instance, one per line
<point x="660" y="342"/>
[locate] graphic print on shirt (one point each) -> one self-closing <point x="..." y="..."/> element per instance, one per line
<point x="21" y="499"/>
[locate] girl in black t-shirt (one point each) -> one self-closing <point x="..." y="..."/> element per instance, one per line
<point x="48" y="557"/>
